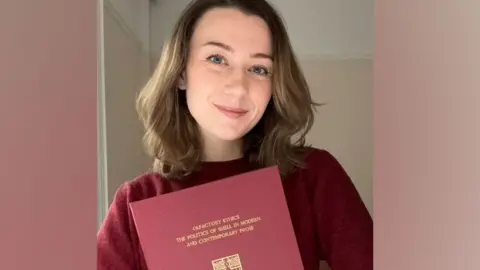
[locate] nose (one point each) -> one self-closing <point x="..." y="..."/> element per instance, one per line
<point x="237" y="83"/>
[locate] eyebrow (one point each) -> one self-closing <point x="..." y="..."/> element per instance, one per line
<point x="228" y="48"/>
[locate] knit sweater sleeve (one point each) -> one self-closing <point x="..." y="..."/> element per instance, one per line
<point x="345" y="227"/>
<point x="117" y="246"/>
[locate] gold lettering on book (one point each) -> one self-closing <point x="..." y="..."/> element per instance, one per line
<point x="218" y="229"/>
<point x="207" y="225"/>
<point x="228" y="263"/>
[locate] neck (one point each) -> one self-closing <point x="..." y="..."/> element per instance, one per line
<point x="217" y="150"/>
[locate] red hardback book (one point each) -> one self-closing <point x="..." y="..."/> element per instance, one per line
<point x="238" y="223"/>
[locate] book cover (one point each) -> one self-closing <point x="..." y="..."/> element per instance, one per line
<point x="238" y="223"/>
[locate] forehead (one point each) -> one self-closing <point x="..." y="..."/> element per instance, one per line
<point x="234" y="28"/>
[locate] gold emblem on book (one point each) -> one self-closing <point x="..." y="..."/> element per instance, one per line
<point x="228" y="263"/>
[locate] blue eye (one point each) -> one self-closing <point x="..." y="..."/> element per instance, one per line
<point x="217" y="59"/>
<point x="260" y="70"/>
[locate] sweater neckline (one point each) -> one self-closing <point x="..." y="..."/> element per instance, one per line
<point x="215" y="170"/>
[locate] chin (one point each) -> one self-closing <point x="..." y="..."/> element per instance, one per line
<point x="226" y="135"/>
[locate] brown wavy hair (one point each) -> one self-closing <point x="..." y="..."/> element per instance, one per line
<point x="171" y="134"/>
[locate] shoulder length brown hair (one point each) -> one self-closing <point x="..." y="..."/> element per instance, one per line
<point x="171" y="136"/>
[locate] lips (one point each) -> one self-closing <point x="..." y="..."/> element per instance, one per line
<point x="230" y="112"/>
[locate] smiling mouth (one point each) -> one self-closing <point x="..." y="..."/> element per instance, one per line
<point x="233" y="113"/>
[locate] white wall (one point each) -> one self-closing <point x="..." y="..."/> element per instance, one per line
<point x="339" y="29"/>
<point x="345" y="125"/>
<point x="162" y="18"/>
<point x="126" y="68"/>
<point x="136" y="17"/>
<point x="334" y="42"/>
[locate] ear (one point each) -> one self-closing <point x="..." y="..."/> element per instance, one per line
<point x="182" y="82"/>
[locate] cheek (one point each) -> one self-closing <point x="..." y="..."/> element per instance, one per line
<point x="198" y="84"/>
<point x="200" y="95"/>
<point x="202" y="81"/>
<point x="261" y="95"/>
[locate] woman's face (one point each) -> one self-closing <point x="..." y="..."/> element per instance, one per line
<point x="228" y="74"/>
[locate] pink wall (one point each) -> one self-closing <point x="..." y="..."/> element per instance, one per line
<point x="48" y="154"/>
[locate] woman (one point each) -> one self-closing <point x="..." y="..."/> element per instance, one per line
<point x="227" y="97"/>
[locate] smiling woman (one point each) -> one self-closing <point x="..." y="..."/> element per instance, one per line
<point x="226" y="77"/>
<point x="228" y="97"/>
<point x="234" y="61"/>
